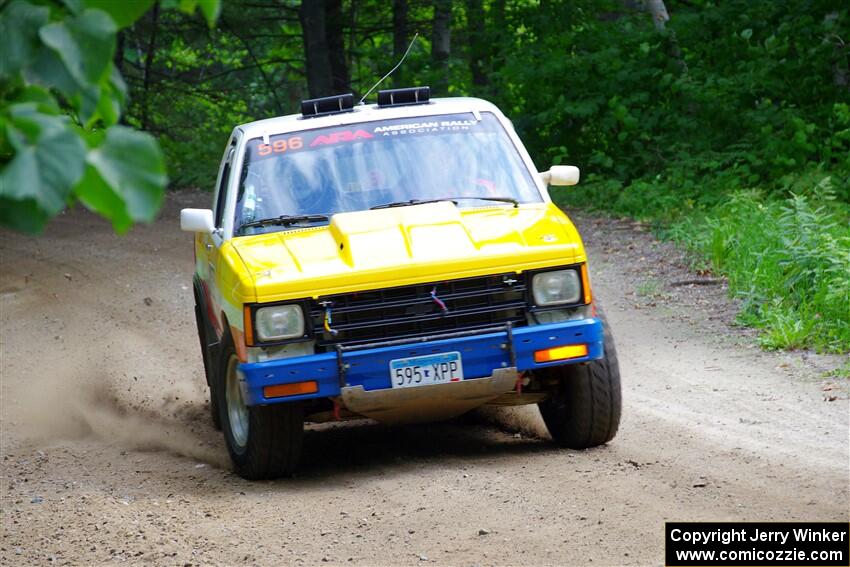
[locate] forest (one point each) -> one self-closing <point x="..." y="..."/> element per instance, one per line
<point x="722" y="124"/>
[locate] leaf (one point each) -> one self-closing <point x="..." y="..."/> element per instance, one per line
<point x="48" y="70"/>
<point x="48" y="159"/>
<point x="123" y="13"/>
<point x="24" y="215"/>
<point x="44" y="101"/>
<point x="19" y="25"/>
<point x="84" y="43"/>
<point x="112" y="98"/>
<point x="119" y="87"/>
<point x="76" y="60"/>
<point x="209" y="8"/>
<point x="131" y="163"/>
<point x="74" y="6"/>
<point x="98" y="196"/>
<point x="747" y="33"/>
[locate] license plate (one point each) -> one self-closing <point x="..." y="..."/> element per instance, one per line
<point x="423" y="370"/>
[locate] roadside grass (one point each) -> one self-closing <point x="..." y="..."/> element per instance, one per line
<point x="841" y="373"/>
<point x="785" y="254"/>
<point x="649" y="288"/>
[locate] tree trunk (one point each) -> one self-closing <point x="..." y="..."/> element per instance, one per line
<point x="146" y="79"/>
<point x="493" y="41"/>
<point x="441" y="43"/>
<point x="498" y="9"/>
<point x="660" y="17"/>
<point x="659" y="13"/>
<point x="340" y="80"/>
<point x="840" y="59"/>
<point x="400" y="11"/>
<point x="118" y="61"/>
<point x="316" y="55"/>
<point x="479" y="56"/>
<point x="840" y="68"/>
<point x="353" y="54"/>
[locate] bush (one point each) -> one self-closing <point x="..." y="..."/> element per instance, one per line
<point x="787" y="259"/>
<point x="790" y="261"/>
<point x="730" y="132"/>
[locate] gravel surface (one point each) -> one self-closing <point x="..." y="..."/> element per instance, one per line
<point x="108" y="455"/>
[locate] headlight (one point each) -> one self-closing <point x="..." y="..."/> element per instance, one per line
<point x="556" y="288"/>
<point x="279" y="322"/>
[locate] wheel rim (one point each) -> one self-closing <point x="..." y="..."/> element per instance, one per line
<point x="237" y="411"/>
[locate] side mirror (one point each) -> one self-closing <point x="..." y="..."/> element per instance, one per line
<point x="197" y="220"/>
<point x="561" y="175"/>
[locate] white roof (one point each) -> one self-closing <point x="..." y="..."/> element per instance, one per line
<point x="366" y="113"/>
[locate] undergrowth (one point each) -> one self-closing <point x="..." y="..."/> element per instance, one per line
<point x="730" y="131"/>
<point x="786" y="256"/>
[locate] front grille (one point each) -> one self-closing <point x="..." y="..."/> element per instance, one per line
<point x="409" y="311"/>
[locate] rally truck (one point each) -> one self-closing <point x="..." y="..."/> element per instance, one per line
<point x="400" y="261"/>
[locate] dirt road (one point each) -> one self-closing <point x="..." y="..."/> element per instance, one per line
<point x="108" y="455"/>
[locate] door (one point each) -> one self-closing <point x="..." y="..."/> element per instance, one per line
<point x="210" y="244"/>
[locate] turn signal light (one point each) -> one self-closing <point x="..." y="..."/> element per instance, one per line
<point x="248" y="326"/>
<point x="560" y="353"/>
<point x="585" y="285"/>
<point x="283" y="390"/>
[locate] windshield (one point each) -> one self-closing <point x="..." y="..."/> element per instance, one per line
<point x="362" y="166"/>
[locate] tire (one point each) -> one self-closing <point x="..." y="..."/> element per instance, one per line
<point x="585" y="410"/>
<point x="209" y="370"/>
<point x="264" y="442"/>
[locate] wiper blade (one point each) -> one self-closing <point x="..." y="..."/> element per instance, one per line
<point x="510" y="200"/>
<point x="285" y="220"/>
<point x="406" y="203"/>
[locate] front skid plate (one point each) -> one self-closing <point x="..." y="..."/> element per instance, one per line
<point x="434" y="402"/>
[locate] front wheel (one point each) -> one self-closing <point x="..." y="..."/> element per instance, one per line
<point x="264" y="442"/>
<point x="584" y="411"/>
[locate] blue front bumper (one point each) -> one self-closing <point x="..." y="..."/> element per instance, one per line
<point x="370" y="367"/>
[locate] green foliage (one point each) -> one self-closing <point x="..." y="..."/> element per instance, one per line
<point x="752" y="89"/>
<point x="122" y="13"/>
<point x="842" y="372"/>
<point x="129" y="162"/>
<point x="190" y="85"/>
<point x="738" y="148"/>
<point x="49" y="158"/>
<point x="788" y="259"/>
<point x="60" y="102"/>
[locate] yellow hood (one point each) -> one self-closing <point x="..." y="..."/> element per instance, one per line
<point x="406" y="245"/>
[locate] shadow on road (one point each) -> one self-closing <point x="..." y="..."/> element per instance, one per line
<point x="343" y="450"/>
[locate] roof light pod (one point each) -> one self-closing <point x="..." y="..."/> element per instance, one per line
<point x="404" y="97"/>
<point x="327" y="105"/>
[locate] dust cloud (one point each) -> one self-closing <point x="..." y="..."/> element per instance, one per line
<point x="90" y="406"/>
<point x="525" y="420"/>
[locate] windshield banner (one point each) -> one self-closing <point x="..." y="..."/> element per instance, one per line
<point x="323" y="137"/>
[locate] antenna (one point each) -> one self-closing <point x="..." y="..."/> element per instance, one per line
<point x="397" y="65"/>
